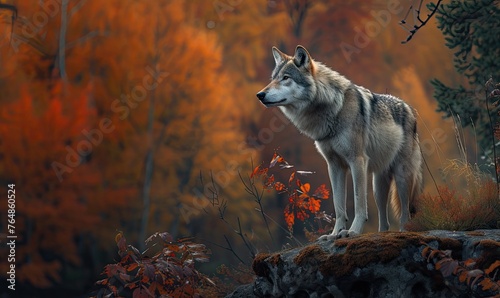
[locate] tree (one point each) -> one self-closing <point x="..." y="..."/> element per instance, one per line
<point x="472" y="30"/>
<point x="51" y="217"/>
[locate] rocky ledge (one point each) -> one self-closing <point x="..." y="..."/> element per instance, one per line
<point x="388" y="264"/>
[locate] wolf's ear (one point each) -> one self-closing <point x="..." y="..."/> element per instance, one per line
<point x="302" y="57"/>
<point x="278" y="55"/>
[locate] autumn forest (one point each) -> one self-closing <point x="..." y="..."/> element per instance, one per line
<point x="124" y="118"/>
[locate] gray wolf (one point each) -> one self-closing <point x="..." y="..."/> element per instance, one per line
<point x="355" y="130"/>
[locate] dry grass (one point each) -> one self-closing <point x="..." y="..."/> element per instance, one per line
<point x="470" y="201"/>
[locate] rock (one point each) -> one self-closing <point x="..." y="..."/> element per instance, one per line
<point x="388" y="264"/>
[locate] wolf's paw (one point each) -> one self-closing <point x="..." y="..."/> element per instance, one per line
<point x="341" y="234"/>
<point x="327" y="237"/>
<point x="347" y="234"/>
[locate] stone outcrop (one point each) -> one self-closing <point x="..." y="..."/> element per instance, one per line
<point x="389" y="264"/>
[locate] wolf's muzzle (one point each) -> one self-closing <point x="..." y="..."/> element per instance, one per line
<point x="261" y="95"/>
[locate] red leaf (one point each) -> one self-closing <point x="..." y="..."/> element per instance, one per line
<point x="292" y="176"/>
<point x="259" y="171"/>
<point x="302" y="215"/>
<point x="488" y="284"/>
<point x="289" y="217"/>
<point x="463" y="276"/>
<point x="426" y="251"/>
<point x="165" y="237"/>
<point x="469" y="264"/>
<point x="131" y="285"/>
<point x="124" y="277"/>
<point x="102" y="282"/>
<point x="322" y="192"/>
<point x="314" y="205"/>
<point x="305" y="188"/>
<point x="278" y="186"/>
<point x="113" y="269"/>
<point x="121" y="242"/>
<point x="149" y="272"/>
<point x="269" y="181"/>
<point x="132" y="266"/>
<point x="492" y="267"/>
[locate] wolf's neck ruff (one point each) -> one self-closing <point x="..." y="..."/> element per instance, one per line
<point x="325" y="100"/>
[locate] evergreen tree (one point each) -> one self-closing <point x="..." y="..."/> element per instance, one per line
<point x="472" y="30"/>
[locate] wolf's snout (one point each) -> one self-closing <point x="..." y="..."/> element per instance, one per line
<point x="261" y="95"/>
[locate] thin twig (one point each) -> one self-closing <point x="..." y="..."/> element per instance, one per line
<point x="282" y="228"/>
<point x="252" y="189"/>
<point x="247" y="244"/>
<point x="430" y="173"/>
<point x="221" y="205"/>
<point x="417" y="27"/>
<point x="231" y="249"/>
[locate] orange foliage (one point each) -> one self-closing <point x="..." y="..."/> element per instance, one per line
<point x="129" y="47"/>
<point x="50" y="215"/>
<point x="168" y="272"/>
<point x="301" y="203"/>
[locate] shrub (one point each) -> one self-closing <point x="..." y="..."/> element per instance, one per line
<point x="169" y="272"/>
<point x="470" y="201"/>
<point x="302" y="202"/>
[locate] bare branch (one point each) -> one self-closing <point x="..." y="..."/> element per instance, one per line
<point x="84" y="38"/>
<point x="252" y="189"/>
<point x="419" y="22"/>
<point x="76" y="7"/>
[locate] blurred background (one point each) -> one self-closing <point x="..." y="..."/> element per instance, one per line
<point x="126" y="115"/>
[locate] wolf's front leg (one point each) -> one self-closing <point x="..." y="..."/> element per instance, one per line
<point x="338" y="180"/>
<point x="359" y="169"/>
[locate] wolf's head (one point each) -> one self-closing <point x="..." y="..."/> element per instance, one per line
<point x="291" y="81"/>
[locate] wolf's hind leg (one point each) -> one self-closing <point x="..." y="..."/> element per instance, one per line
<point x="381" y="186"/>
<point x="403" y="185"/>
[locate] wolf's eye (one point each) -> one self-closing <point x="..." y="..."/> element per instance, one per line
<point x="285" y="78"/>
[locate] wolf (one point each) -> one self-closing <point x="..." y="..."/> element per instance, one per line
<point x="354" y="130"/>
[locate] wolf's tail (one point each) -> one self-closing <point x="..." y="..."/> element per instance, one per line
<point x="414" y="182"/>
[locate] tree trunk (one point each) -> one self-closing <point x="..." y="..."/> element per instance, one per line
<point x="149" y="160"/>
<point x="62" y="40"/>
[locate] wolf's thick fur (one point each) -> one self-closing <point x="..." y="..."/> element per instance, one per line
<point x="354" y="129"/>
